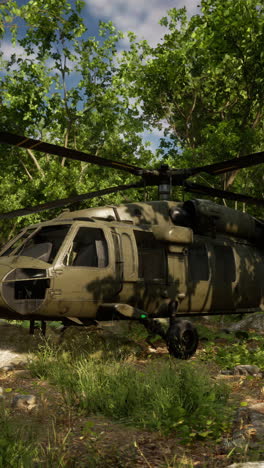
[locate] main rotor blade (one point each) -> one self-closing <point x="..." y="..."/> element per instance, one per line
<point x="68" y="201"/>
<point x="202" y="189"/>
<point x="230" y="165"/>
<point x="31" y="143"/>
<point x="150" y="177"/>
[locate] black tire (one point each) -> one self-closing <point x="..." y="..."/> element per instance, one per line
<point x="182" y="339"/>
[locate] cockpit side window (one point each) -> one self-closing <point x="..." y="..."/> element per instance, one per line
<point x="44" y="244"/>
<point x="88" y="249"/>
<point x="16" y="243"/>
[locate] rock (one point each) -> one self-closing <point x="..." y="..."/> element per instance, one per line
<point x="247" y="369"/>
<point x="228" y="445"/>
<point x="248" y="429"/>
<point x="243" y="369"/>
<point x="11" y="358"/>
<point x="247" y="465"/>
<point x="252" y="321"/>
<point x="7" y="368"/>
<point x="24" y="402"/>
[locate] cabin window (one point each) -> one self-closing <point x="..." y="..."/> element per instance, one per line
<point x="151" y="256"/>
<point x="198" y="268"/>
<point x="128" y="251"/>
<point x="88" y="249"/>
<point x="225" y="263"/>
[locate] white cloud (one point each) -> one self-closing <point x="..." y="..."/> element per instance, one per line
<point x="139" y="16"/>
<point x="7" y="48"/>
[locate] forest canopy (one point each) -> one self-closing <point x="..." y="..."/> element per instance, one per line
<point x="201" y="87"/>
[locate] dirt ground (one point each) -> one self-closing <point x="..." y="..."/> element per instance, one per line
<point x="96" y="441"/>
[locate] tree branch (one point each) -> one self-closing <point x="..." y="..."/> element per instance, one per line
<point x="34" y="159"/>
<point x="27" y="171"/>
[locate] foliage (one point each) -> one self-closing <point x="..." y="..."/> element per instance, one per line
<point x="16" y="444"/>
<point x="249" y="351"/>
<point x="64" y="88"/>
<point x="203" y="84"/>
<point x="169" y="397"/>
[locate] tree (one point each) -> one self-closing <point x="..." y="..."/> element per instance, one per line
<point x="63" y="88"/>
<point x="204" y="84"/>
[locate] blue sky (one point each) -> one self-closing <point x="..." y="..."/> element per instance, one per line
<point x="139" y="16"/>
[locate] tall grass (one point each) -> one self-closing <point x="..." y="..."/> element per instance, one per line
<point x="168" y="398"/>
<point x="17" y="449"/>
<point x="165" y="396"/>
<point x="25" y="445"/>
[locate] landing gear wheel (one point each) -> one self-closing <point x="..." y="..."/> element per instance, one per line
<point x="182" y="339"/>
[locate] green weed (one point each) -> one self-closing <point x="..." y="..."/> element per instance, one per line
<point x="169" y="396"/>
<point x="249" y="351"/>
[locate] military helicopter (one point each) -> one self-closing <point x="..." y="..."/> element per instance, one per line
<point x="139" y="261"/>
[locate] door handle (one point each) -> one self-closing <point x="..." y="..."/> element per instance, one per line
<point x="55" y="292"/>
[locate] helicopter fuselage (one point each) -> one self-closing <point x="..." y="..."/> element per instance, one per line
<point x="132" y="262"/>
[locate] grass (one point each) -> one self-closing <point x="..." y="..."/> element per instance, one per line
<point x="100" y="374"/>
<point x="26" y="442"/>
<point x="17" y="448"/>
<point x="169" y="396"/>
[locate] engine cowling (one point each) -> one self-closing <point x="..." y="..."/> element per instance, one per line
<point x="206" y="217"/>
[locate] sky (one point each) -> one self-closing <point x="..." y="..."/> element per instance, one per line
<point x="139" y="16"/>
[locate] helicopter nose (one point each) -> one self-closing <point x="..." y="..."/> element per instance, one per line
<point x="4" y="309"/>
<point x="23" y="290"/>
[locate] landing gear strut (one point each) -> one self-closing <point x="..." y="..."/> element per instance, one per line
<point x="154" y="328"/>
<point x="181" y="337"/>
<point x="32" y="327"/>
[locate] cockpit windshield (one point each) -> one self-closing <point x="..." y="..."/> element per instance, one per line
<point x="43" y="243"/>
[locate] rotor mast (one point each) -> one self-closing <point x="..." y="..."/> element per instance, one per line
<point x="165" y="183"/>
